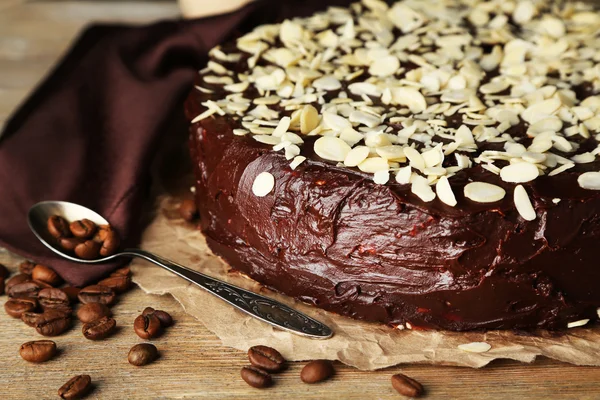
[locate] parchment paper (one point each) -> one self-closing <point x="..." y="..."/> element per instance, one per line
<point x="362" y="345"/>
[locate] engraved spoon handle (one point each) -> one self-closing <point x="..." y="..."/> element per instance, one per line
<point x="256" y="305"/>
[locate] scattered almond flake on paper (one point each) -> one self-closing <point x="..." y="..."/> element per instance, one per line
<point x="263" y="184"/>
<point x="475" y="347"/>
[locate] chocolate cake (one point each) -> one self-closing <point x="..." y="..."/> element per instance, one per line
<point x="423" y="164"/>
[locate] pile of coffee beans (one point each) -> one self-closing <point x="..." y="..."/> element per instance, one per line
<point x="83" y="237"/>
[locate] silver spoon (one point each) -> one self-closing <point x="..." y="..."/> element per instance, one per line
<point x="256" y="305"/>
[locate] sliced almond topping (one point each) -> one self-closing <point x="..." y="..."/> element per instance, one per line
<point x="309" y="119"/>
<point x="392" y="152"/>
<point x="372" y="165"/>
<point x="403" y="175"/>
<point x="335" y="122"/>
<point x="519" y="172"/>
<point x="356" y="156"/>
<point x="263" y="184"/>
<point x="381" y="177"/>
<point x="475" y="347"/>
<point x="327" y="83"/>
<point x="331" y="148"/>
<point x="282" y="126"/>
<point x="575" y="324"/>
<point x="409" y="97"/>
<point x="483" y="192"/>
<point x="444" y="191"/>
<point x="297" y="161"/>
<point x="384" y="66"/>
<point x="589" y="180"/>
<point x="523" y="204"/>
<point x="420" y="187"/>
<point x="415" y="158"/>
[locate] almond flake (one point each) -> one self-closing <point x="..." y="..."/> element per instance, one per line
<point x="237" y="87"/>
<point x="403" y="175"/>
<point x="483" y="192"/>
<point x="331" y="148"/>
<point x="409" y="97"/>
<point x="405" y="18"/>
<point x="523" y="204"/>
<point x="356" y="156"/>
<point x="519" y="172"/>
<point x="282" y="126"/>
<point x="385" y="66"/>
<point x="360" y="117"/>
<point x="297" y="161"/>
<point x="541" y="110"/>
<point x="415" y="158"/>
<point x="444" y="191"/>
<point x="420" y="187"/>
<point x="589" y="180"/>
<point x="374" y="164"/>
<point x="263" y="184"/>
<point x="391" y="152"/>
<point x="575" y="324"/>
<point x="335" y="122"/>
<point x="583" y="158"/>
<point x="309" y="119"/>
<point x="328" y="83"/>
<point x="475" y="347"/>
<point x="560" y="169"/>
<point x="350" y="136"/>
<point x="381" y="177"/>
<point x="240" y="132"/>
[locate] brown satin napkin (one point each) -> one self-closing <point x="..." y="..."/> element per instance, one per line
<point x="89" y="132"/>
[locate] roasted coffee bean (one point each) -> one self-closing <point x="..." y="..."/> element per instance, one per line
<point x="52" y="322"/>
<point x="101" y="232"/>
<point x="164" y="317"/>
<point x="16" y="307"/>
<point x="53" y="298"/>
<point x="38" y="351"/>
<point x="72" y="293"/>
<point x="4" y="273"/>
<point x="15" y="280"/>
<point x="110" y="244"/>
<point x="70" y="243"/>
<point x="1" y="286"/>
<point x="99" y="329"/>
<point x="76" y="388"/>
<point x="30" y="318"/>
<point x="188" y="210"/>
<point x="316" y="371"/>
<point x="125" y="271"/>
<point x="256" y="377"/>
<point x="407" y="386"/>
<point x="26" y="267"/>
<point x="45" y="274"/>
<point x="26" y="289"/>
<point x="88" y="250"/>
<point x="142" y="354"/>
<point x="93" y="311"/>
<point x="58" y="227"/>
<point x="83" y="229"/>
<point x="119" y="284"/>
<point x="97" y="294"/>
<point x="266" y="358"/>
<point x="147" y="326"/>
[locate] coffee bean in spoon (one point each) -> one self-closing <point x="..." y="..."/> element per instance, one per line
<point x="45" y="274"/>
<point x="256" y="377"/>
<point x="88" y="250"/>
<point x="142" y="354"/>
<point x="76" y="387"/>
<point x="38" y="351"/>
<point x="317" y="371"/>
<point x="110" y="244"/>
<point x="26" y="267"/>
<point x="58" y="227"/>
<point x="97" y="294"/>
<point x="164" y="317"/>
<point x="407" y="386"/>
<point x="147" y="326"/>
<point x="70" y="243"/>
<point x="16" y="307"/>
<point x="266" y="358"/>
<point x="93" y="311"/>
<point x="83" y="229"/>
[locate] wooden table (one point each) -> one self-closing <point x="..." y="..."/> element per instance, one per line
<point x="193" y="364"/>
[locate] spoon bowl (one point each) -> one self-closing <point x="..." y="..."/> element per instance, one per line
<point x="256" y="305"/>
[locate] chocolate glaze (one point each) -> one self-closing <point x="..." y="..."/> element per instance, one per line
<point x="331" y="237"/>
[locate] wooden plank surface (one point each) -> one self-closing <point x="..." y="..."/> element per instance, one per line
<point x="193" y="364"/>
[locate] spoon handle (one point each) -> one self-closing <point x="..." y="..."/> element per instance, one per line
<point x="256" y="305"/>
